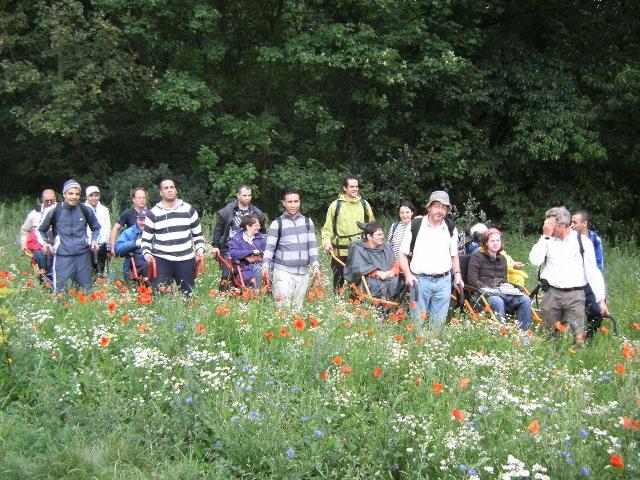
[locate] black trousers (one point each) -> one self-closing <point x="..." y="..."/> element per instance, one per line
<point x="338" y="272"/>
<point x="181" y="272"/>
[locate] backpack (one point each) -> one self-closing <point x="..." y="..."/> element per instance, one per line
<point x="416" y="223"/>
<point x="56" y="214"/>
<point x="364" y="203"/>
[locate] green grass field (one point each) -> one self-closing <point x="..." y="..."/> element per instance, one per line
<point x="224" y="386"/>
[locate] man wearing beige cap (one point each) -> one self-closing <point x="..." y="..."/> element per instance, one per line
<point x="99" y="259"/>
<point x="428" y="258"/>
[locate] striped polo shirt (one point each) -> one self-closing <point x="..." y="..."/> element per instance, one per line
<point x="297" y="248"/>
<point x="172" y="233"/>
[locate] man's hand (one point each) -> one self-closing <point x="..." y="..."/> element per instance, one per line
<point x="199" y="256"/>
<point x="457" y="281"/>
<point x="264" y="273"/>
<point x="518" y="265"/>
<point x="148" y="258"/>
<point x="328" y="247"/>
<point x="316" y="272"/>
<point x="410" y="280"/>
<point x="215" y="251"/>
<point x="604" y="309"/>
<point x="47" y="249"/>
<point x="94" y="246"/>
<point x="548" y="226"/>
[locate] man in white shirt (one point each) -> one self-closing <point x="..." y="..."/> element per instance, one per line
<point x="569" y="263"/>
<point x="427" y="269"/>
<point x="99" y="259"/>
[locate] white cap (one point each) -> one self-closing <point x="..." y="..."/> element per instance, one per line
<point x="92" y="189"/>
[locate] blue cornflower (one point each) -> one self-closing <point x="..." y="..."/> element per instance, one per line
<point x="605" y="378"/>
<point x="463" y="468"/>
<point x="318" y="433"/>
<point x="484" y="409"/>
<point x="253" y="416"/>
<point x="549" y="409"/>
<point x="473" y="473"/>
<point x="291" y="453"/>
<point x="471" y="423"/>
<point x="158" y="318"/>
<point x="189" y="400"/>
<point x="295" y="389"/>
<point x="585" y="472"/>
<point x="244" y="408"/>
<point x="246" y="368"/>
<point x="305" y="418"/>
<point x="218" y="445"/>
<point x="234" y="418"/>
<point x="180" y="325"/>
<point x="584" y="433"/>
<point x="268" y="383"/>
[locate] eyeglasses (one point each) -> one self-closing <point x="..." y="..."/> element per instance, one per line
<point x="49" y="201"/>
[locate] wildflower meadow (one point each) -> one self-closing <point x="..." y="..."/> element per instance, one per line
<point x="117" y="383"/>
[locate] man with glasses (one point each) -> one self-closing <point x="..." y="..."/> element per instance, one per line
<point x="428" y="266"/>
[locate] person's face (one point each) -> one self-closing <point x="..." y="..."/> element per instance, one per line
<point x="352" y="189"/>
<point x="244" y="197"/>
<point x="140" y="222"/>
<point x="437" y="211"/>
<point x="291" y="203"/>
<point x="578" y="224"/>
<point x="377" y="238"/>
<point x="405" y="214"/>
<point x="93" y="199"/>
<point x="168" y="191"/>
<point x="72" y="196"/>
<point x="494" y="242"/>
<point x="48" y="198"/>
<point x="253" y="229"/>
<point x="140" y="199"/>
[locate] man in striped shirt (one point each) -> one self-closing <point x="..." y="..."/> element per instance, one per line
<point x="173" y="237"/>
<point x="291" y="248"/>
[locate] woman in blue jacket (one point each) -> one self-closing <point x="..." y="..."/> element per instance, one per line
<point x="246" y="248"/>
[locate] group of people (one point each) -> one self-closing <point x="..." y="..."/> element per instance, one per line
<point x="166" y="244"/>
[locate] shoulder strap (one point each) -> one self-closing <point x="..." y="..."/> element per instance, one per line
<point x="450" y="225"/>
<point x="279" y="220"/>
<point x="335" y="217"/>
<point x="416" y="223"/>
<point x="581" y="246"/>
<point x="54" y="218"/>
<point x="394" y="226"/>
<point x="366" y="210"/>
<point x="85" y="212"/>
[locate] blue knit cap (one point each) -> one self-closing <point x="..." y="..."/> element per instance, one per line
<point x="71" y="183"/>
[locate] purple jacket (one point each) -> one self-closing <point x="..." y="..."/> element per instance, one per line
<point x="239" y="249"/>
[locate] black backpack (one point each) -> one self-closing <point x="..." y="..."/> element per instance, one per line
<point x="364" y="203"/>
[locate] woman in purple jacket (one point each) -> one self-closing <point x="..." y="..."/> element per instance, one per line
<point x="246" y="248"/>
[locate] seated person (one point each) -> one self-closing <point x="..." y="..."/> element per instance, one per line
<point x="128" y="246"/>
<point x="476" y="232"/>
<point x="29" y="240"/>
<point x="373" y="258"/>
<point x="246" y="249"/>
<point x="488" y="273"/>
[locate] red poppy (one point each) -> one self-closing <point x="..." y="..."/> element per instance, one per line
<point x="457" y="414"/>
<point x="503" y="331"/>
<point x="269" y="336"/>
<point x="464" y="383"/>
<point x="112" y="306"/>
<point x="420" y="340"/>
<point x="124" y="319"/>
<point x="413" y="304"/>
<point x="104" y="341"/>
<point x="616" y="461"/>
<point x="437" y="387"/>
<point x="534" y="427"/>
<point x="399" y="338"/>
<point x="636" y="326"/>
<point x="29" y="283"/>
<point x="620" y="369"/>
<point x="213" y="292"/>
<point x="222" y="310"/>
<point x="346" y="370"/>
<point x="299" y="323"/>
<point x="143" y="327"/>
<point x="313" y="321"/>
<point x="324" y="375"/>
<point x="417" y="381"/>
<point x="200" y="328"/>
<point x="337" y="361"/>
<point x="283" y="332"/>
<point x="117" y="283"/>
<point x="377" y="372"/>
<point x="627" y="351"/>
<point x="604" y="330"/>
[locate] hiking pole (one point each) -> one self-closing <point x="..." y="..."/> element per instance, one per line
<point x="336" y="258"/>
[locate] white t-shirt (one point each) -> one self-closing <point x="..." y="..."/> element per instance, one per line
<point x="433" y="249"/>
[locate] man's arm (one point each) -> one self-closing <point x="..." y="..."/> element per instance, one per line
<point x="327" y="228"/>
<point x="114" y="235"/>
<point x="218" y="231"/>
<point x="457" y="275"/>
<point x="147" y="235"/>
<point x="196" y="233"/>
<point x="43" y="230"/>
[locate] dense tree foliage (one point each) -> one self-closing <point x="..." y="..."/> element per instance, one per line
<point x="523" y="104"/>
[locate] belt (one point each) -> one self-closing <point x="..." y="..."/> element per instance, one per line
<point x="570" y="289"/>
<point x="434" y="275"/>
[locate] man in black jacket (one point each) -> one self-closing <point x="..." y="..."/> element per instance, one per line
<point x="228" y="223"/>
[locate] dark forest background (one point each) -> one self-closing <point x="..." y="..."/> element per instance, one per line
<point x="519" y="104"/>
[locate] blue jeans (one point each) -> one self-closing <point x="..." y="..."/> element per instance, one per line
<point x="431" y="295"/>
<point x="520" y="304"/>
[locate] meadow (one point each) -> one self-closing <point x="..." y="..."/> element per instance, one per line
<point x="116" y="384"/>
